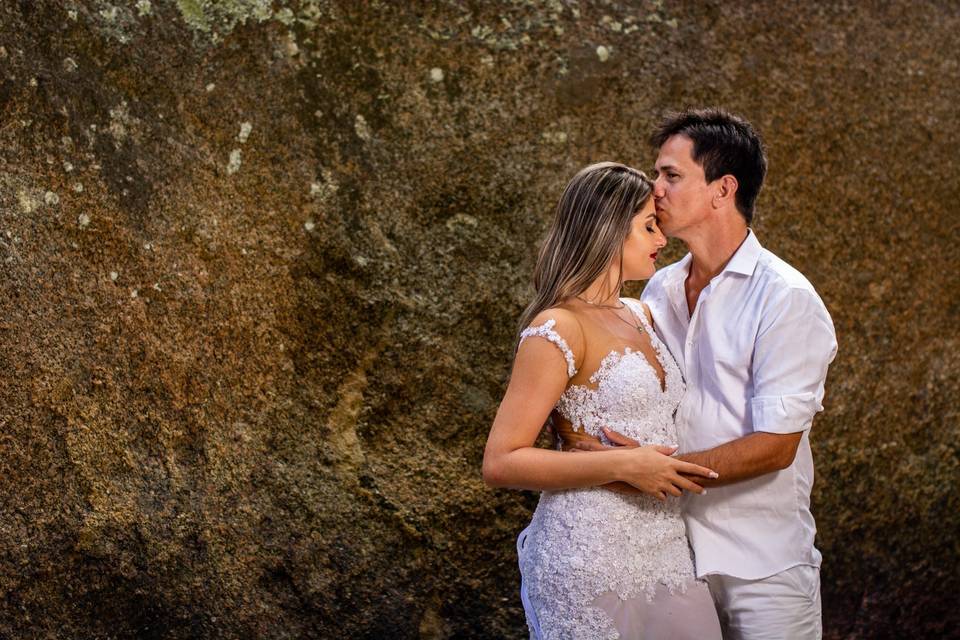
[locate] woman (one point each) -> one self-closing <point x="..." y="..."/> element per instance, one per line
<point x="596" y="562"/>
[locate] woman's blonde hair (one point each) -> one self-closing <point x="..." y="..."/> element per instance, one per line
<point x="591" y="224"/>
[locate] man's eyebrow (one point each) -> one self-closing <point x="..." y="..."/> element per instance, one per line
<point x="666" y="167"/>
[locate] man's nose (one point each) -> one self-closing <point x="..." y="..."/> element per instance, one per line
<point x="658" y="190"/>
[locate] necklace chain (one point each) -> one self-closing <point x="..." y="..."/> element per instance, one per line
<point x="600" y="305"/>
<point x="616" y="315"/>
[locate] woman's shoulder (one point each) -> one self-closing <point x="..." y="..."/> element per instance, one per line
<point x="561" y="319"/>
<point x="560" y="327"/>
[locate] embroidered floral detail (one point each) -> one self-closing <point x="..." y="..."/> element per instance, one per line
<point x="546" y="331"/>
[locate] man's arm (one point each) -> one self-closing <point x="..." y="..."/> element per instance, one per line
<point x="748" y="457"/>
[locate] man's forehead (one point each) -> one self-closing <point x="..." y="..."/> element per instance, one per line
<point x="676" y="151"/>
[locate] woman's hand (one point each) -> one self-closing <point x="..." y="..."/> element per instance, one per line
<point x="653" y="471"/>
<point x="650" y="469"/>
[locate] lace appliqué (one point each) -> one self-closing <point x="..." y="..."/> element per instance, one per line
<point x="583" y="543"/>
<point x="546" y="331"/>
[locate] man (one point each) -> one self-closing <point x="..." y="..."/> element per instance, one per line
<point x="754" y="341"/>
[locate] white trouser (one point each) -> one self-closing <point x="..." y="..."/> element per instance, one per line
<point x="785" y="605"/>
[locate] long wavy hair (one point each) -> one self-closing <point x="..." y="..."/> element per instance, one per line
<point x="591" y="224"/>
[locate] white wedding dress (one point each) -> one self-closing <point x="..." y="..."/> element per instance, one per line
<point x="600" y="565"/>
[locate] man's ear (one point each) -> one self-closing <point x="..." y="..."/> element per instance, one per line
<point x="726" y="191"/>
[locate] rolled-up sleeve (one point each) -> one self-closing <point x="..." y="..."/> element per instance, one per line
<point x="795" y="344"/>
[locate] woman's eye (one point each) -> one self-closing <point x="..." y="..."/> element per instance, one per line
<point x="650" y="229"/>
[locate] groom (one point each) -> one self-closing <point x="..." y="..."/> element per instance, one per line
<point x="754" y="341"/>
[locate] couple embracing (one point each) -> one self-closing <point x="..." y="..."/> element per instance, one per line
<point x="678" y="505"/>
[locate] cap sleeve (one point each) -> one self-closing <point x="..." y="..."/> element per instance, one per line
<point x="546" y="332"/>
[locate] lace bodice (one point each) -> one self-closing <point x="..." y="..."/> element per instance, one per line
<point x="626" y="394"/>
<point x="585" y="542"/>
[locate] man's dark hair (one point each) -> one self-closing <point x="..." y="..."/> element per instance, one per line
<point x="723" y="143"/>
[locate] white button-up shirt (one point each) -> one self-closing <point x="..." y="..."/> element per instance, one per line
<point x="754" y="354"/>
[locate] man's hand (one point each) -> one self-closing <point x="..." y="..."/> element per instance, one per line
<point x="592" y="444"/>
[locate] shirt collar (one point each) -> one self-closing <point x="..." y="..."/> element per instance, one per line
<point x="679" y="273"/>
<point x="745" y="259"/>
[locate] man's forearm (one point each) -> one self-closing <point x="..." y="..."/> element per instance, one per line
<point x="748" y="457"/>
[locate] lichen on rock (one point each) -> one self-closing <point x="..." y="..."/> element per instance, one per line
<point x="219" y="17"/>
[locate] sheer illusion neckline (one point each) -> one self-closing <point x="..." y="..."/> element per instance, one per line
<point x="613" y="358"/>
<point x="617" y="354"/>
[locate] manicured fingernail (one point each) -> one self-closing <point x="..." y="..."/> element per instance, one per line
<point x="714" y="475"/>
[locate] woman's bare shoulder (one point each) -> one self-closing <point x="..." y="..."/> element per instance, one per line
<point x="565" y="322"/>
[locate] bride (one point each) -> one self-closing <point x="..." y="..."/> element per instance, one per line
<point x="599" y="561"/>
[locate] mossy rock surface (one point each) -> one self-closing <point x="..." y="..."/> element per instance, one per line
<point x="262" y="263"/>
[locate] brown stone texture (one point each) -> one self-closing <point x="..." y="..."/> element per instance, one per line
<point x="261" y="264"/>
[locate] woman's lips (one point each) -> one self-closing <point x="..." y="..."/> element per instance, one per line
<point x="653" y="255"/>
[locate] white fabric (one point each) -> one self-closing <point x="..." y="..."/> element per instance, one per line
<point x="690" y="616"/>
<point x="586" y="550"/>
<point x="529" y="611"/>
<point x="754" y="355"/>
<point x="784" y="605"/>
<point x="546" y="331"/>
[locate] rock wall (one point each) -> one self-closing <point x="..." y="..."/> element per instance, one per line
<point x="261" y="264"/>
